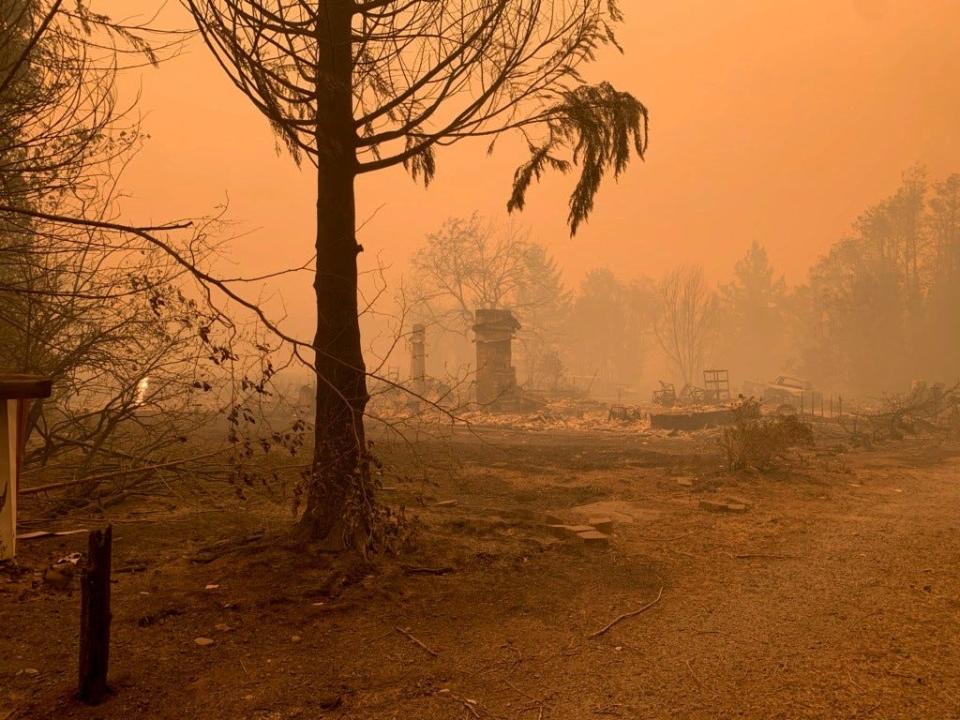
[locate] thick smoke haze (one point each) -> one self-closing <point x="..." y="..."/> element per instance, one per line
<point x="283" y="442"/>
<point x="771" y="122"/>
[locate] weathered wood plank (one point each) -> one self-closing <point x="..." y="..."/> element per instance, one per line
<point x="20" y="387"/>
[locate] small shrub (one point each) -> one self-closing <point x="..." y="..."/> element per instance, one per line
<point x="759" y="442"/>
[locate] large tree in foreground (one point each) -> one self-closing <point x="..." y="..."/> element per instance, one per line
<point x="357" y="86"/>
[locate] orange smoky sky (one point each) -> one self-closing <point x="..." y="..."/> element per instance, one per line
<point x="772" y="121"/>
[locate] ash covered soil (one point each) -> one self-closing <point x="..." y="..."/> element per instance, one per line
<point x="827" y="591"/>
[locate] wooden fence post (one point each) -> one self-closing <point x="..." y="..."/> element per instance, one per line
<point x="95" y="618"/>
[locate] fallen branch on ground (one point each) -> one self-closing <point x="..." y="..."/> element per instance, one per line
<point x="337" y="607"/>
<point x="625" y="616"/>
<point x="469" y="704"/>
<point x="411" y="638"/>
<point x="414" y="570"/>
<point x="49" y="533"/>
<point x="117" y="473"/>
<point x="209" y="553"/>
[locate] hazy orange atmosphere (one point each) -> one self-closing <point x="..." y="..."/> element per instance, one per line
<point x="291" y="442"/>
<point x="772" y="122"/>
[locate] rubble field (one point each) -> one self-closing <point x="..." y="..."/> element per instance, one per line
<point x="563" y="574"/>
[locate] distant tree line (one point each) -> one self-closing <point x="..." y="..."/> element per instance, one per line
<point x="883" y="306"/>
<point x="880" y="309"/>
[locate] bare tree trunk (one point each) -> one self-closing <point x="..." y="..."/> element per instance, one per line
<point x="339" y="498"/>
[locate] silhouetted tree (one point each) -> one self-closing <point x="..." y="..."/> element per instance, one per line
<point x="867" y="294"/>
<point x="752" y="317"/>
<point x="356" y="86"/>
<point x="470" y="264"/>
<point x="609" y="326"/>
<point x="942" y="346"/>
<point x="543" y="305"/>
<point x="75" y="306"/>
<point x="99" y="307"/>
<point x="686" y="321"/>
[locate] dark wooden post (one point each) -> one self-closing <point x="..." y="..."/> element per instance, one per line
<point x="95" y="618"/>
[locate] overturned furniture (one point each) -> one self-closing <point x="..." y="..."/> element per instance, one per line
<point x="627" y="413"/>
<point x="666" y="395"/>
<point x="692" y="395"/>
<point x="16" y="394"/>
<point x="496" y="376"/>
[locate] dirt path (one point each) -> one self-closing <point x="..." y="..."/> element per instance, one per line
<point x="835" y="595"/>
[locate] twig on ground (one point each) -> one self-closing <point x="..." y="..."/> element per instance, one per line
<point x="468" y="704"/>
<point x="764" y="556"/>
<point x="415" y="641"/>
<point x="413" y="570"/>
<point x="209" y="553"/>
<point x="853" y="682"/>
<point x="536" y="703"/>
<point x="335" y="607"/>
<point x="49" y="533"/>
<point x="625" y="616"/>
<point x="609" y="710"/>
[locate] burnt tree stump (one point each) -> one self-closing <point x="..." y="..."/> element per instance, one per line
<point x="95" y="618"/>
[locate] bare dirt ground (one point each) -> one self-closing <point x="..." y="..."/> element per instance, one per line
<point x="835" y="595"/>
